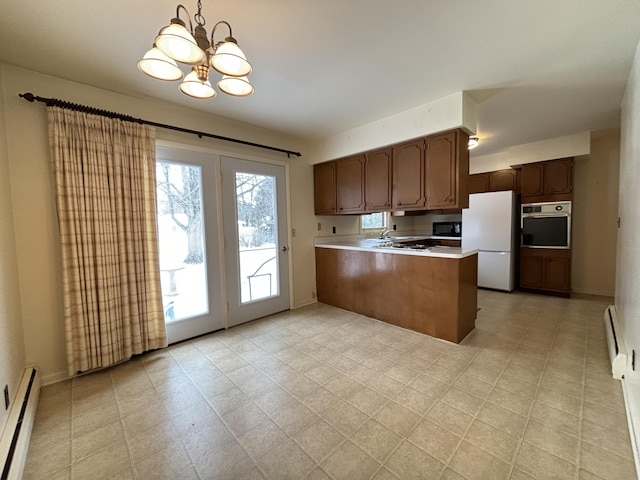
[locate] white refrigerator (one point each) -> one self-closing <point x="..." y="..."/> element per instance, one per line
<point x="490" y="225"/>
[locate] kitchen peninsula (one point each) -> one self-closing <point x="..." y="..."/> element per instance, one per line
<point x="430" y="290"/>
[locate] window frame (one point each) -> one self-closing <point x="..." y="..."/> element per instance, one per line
<point x="386" y="221"/>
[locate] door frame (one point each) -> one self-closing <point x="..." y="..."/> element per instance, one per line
<point x="191" y="327"/>
<point x="239" y="312"/>
<point x="216" y="155"/>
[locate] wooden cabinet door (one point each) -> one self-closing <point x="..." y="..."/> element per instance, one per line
<point x="558" y="177"/>
<point x="350" y="184"/>
<point x="408" y="176"/>
<point x="440" y="169"/>
<point x="377" y="180"/>
<point x="503" y="180"/>
<point x="478" y="183"/>
<point x="531" y="266"/>
<point x="545" y="269"/>
<point x="557" y="272"/>
<point x="324" y="188"/>
<point x="531" y="180"/>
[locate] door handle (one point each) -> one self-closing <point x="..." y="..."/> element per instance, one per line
<point x="284" y="248"/>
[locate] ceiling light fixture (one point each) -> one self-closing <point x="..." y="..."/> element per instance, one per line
<point x="474" y="141"/>
<point x="175" y="43"/>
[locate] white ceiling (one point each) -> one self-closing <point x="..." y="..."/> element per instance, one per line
<point x="538" y="69"/>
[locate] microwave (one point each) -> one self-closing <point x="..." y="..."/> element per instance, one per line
<point x="447" y="229"/>
<point x="546" y="225"/>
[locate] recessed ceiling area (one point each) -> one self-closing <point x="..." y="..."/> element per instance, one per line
<point x="536" y="70"/>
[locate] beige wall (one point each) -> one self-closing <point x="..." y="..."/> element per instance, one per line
<point x="628" y="260"/>
<point x="12" y="355"/>
<point x="595" y="213"/>
<point x="36" y="233"/>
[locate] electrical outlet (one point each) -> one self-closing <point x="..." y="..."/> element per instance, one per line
<point x="334" y="229"/>
<point x="319" y="226"/>
<point x="6" y="397"/>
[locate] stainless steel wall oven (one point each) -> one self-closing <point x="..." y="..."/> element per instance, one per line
<point x="546" y="225"/>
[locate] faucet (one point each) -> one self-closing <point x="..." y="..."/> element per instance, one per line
<point x="384" y="234"/>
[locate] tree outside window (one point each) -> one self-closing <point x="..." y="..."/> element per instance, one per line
<point x="373" y="221"/>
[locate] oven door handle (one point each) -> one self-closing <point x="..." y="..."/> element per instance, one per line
<point x="545" y="215"/>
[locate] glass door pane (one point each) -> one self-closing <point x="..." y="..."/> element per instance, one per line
<point x="257" y="236"/>
<point x="188" y="244"/>
<point x="181" y="241"/>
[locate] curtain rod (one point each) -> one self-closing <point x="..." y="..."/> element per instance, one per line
<point x="105" y="113"/>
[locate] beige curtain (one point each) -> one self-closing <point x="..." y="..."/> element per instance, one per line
<point x="105" y="196"/>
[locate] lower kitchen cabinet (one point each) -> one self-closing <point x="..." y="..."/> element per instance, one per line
<point x="433" y="295"/>
<point x="547" y="270"/>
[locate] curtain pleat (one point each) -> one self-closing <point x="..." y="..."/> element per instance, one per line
<point x="105" y="196"/>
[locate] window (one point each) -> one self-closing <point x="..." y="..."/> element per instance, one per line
<point x="374" y="221"/>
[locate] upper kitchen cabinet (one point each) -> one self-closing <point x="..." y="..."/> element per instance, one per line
<point x="397" y="178"/>
<point x="324" y="188"/>
<point x="447" y="170"/>
<point x="377" y="180"/>
<point x="478" y="182"/>
<point x="408" y="176"/>
<point x="547" y="181"/>
<point x="350" y="184"/>
<point x="507" y="179"/>
<point x="532" y="180"/>
<point x="497" y="181"/>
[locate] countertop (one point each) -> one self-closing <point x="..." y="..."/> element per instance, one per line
<point x="368" y="244"/>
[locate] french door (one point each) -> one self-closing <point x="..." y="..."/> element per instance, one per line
<point x="188" y="240"/>
<point x="255" y="237"/>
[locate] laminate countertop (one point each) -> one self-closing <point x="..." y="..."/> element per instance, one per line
<point x="394" y="245"/>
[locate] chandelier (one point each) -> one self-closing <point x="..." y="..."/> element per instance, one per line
<point x="175" y="43"/>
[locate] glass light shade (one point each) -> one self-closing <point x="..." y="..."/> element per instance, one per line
<point x="177" y="43"/>
<point x="473" y="142"/>
<point x="229" y="60"/>
<point x="157" y="65"/>
<point x="194" y="87"/>
<point x="236" y="86"/>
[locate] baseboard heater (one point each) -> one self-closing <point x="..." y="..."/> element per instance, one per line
<point x="617" y="350"/>
<point x="15" y="439"/>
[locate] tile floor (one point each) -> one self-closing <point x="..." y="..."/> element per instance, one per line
<point x="320" y="393"/>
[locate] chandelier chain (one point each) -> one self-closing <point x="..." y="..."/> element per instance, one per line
<point x="200" y="20"/>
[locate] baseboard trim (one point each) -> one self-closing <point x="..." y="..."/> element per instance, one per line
<point x="306" y="303"/>
<point x="56" y="377"/>
<point x="14" y="443"/>
<point x="597" y="293"/>
<point x="631" y="392"/>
